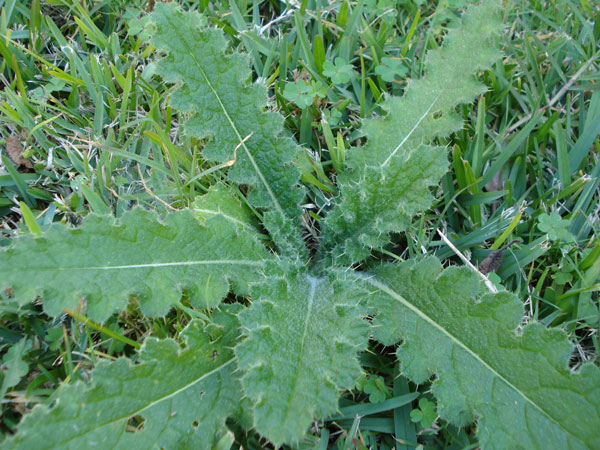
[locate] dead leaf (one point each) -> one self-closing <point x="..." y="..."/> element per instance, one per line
<point x="15" y="152"/>
<point x="494" y="260"/>
<point x="491" y="263"/>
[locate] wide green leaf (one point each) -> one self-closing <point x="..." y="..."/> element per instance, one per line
<point x="182" y="395"/>
<point x="384" y="202"/>
<point x="104" y="262"/>
<point x="220" y="103"/>
<point x="302" y="335"/>
<point x="514" y="380"/>
<point x="388" y="180"/>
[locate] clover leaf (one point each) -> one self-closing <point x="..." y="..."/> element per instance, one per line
<point x="332" y="116"/>
<point x="384" y="9"/>
<point x="555" y="227"/>
<point x="318" y="89"/>
<point x="426" y="414"/>
<point x="339" y="71"/>
<point x="303" y="94"/>
<point x="391" y="68"/>
<point x="376" y="388"/>
<point x="299" y="93"/>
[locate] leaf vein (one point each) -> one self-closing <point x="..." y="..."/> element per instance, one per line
<point x="385" y="288"/>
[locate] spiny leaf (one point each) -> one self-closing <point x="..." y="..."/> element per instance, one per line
<point x="104" y="262"/>
<point x="384" y="201"/>
<point x="517" y="385"/>
<point x="302" y="336"/>
<point x="389" y="178"/>
<point x="183" y="395"/>
<point x="214" y="91"/>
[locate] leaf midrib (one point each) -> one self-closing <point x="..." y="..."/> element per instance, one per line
<point x="396" y="296"/>
<point x="226" y="216"/>
<point x="313" y="282"/>
<point x="242" y="140"/>
<point x="412" y="130"/>
<point x="155" y="402"/>
<point x="233" y="262"/>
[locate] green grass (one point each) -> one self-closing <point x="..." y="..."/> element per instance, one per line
<point x="78" y="92"/>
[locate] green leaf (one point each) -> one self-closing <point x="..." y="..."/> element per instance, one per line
<point x="393" y="199"/>
<point x="331" y="116"/>
<point x="302" y="335"/>
<point x="214" y="92"/>
<point x="105" y="261"/>
<point x="516" y="383"/>
<point x="384" y="9"/>
<point x="390" y="69"/>
<point x="14" y="368"/>
<point x="339" y="71"/>
<point x="426" y="415"/>
<point x="388" y="179"/>
<point x="555" y="227"/>
<point x="219" y="200"/>
<point x="300" y="93"/>
<point x="416" y="415"/>
<point x="184" y="396"/>
<point x="303" y="94"/>
<point x="376" y="389"/>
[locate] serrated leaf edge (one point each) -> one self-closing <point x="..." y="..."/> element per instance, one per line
<point x="242" y="140"/>
<point x="385" y="288"/>
<point x="166" y="397"/>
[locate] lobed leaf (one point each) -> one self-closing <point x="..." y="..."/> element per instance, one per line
<point x="388" y="180"/>
<point x="302" y="334"/>
<point x="106" y="261"/>
<point x="516" y="384"/>
<point x="383" y="202"/>
<point x="183" y="395"/>
<point x="214" y="92"/>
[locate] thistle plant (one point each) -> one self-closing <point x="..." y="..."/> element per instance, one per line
<point x="287" y="346"/>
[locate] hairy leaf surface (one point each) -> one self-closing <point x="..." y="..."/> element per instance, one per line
<point x="220" y="201"/>
<point x="103" y="262"/>
<point x="517" y="385"/>
<point x="389" y="178"/>
<point x="183" y="394"/>
<point x="384" y="201"/>
<point x="285" y="359"/>
<point x="302" y="336"/>
<point x="213" y="89"/>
